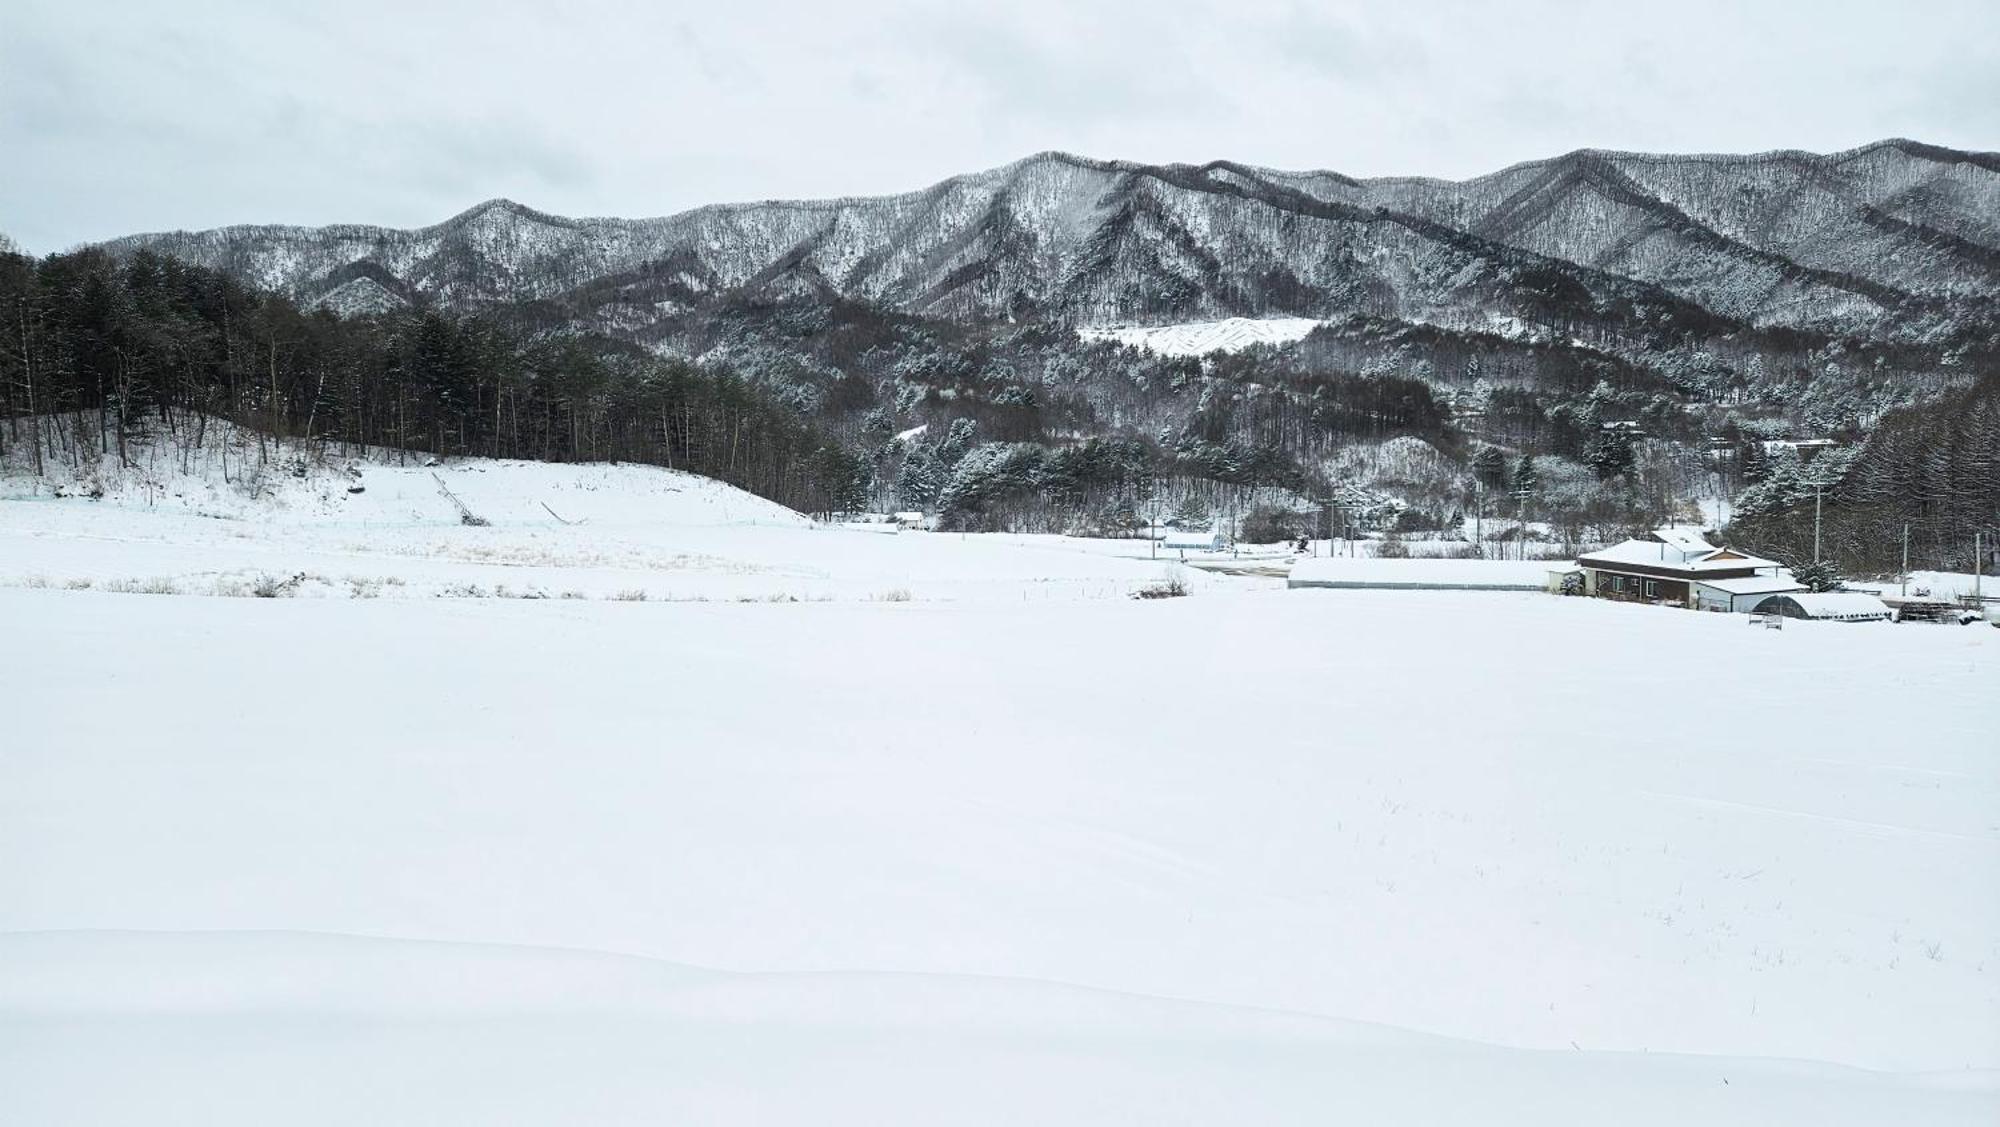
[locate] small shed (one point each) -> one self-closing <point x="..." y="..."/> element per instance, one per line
<point x="1743" y="592"/>
<point x="1826" y="606"/>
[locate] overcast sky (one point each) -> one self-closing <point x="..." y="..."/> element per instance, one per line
<point x="128" y="115"/>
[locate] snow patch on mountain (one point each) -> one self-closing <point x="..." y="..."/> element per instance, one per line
<point x="1199" y="338"/>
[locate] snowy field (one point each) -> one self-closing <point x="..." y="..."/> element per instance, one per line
<point x="1434" y="574"/>
<point x="1015" y="848"/>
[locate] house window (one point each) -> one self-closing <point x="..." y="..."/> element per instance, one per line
<point x="1652" y="588"/>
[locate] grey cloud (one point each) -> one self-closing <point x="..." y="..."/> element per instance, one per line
<point x="1020" y="74"/>
<point x="1327" y="44"/>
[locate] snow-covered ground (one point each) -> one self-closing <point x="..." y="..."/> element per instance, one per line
<point x="1198" y="338"/>
<point x="1942" y="584"/>
<point x="1433" y="574"/>
<point x="1007" y="851"/>
<point x="302" y="1029"/>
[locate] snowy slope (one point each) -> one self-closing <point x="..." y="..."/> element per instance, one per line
<point x="222" y="521"/>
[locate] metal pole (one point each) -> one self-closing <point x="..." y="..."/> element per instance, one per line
<point x="1478" y="522"/>
<point x="1816" y="496"/>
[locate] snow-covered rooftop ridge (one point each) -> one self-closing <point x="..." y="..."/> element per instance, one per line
<point x="1658" y="552"/>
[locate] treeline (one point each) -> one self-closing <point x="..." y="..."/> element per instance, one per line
<point x="1933" y="469"/>
<point x="1190" y="432"/>
<point x="1099" y="486"/>
<point x="113" y="345"/>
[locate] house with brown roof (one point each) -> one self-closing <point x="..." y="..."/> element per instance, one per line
<point x="1679" y="567"/>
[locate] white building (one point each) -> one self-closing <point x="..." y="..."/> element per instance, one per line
<point x="1826" y="606"/>
<point x="1207" y="540"/>
<point x="1742" y="593"/>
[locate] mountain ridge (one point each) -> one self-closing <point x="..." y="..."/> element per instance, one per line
<point x="1892" y="239"/>
<point x="1985" y="159"/>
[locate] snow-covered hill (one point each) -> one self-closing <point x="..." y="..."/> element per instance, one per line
<point x="229" y="520"/>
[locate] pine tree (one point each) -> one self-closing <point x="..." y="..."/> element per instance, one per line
<point x="921" y="481"/>
<point x="1490" y="467"/>
<point x="1822" y="576"/>
<point x="1784" y="481"/>
<point x="957" y="441"/>
<point x="1609" y="452"/>
<point x="1755" y="463"/>
<point x="1192" y="512"/>
<point x="1527" y="479"/>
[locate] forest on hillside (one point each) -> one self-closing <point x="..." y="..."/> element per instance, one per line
<point x="108" y="344"/>
<point x="829" y="405"/>
<point x="1927" y="477"/>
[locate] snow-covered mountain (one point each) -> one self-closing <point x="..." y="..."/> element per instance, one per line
<point x="1891" y="239"/>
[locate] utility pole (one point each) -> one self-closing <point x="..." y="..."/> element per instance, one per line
<point x="1978" y="564"/>
<point x="1906" y="557"/>
<point x="1816" y="499"/>
<point x="1478" y="523"/>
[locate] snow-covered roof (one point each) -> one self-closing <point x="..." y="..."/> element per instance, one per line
<point x="1688" y="540"/>
<point x="1203" y="539"/>
<point x="1839" y="604"/>
<point x="1755" y="584"/>
<point x="1656" y="553"/>
<point x="1726" y="559"/>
